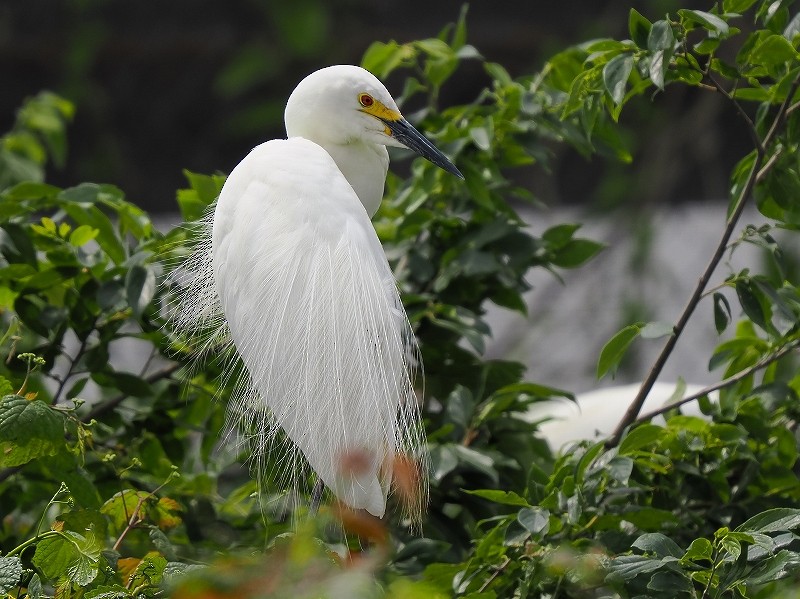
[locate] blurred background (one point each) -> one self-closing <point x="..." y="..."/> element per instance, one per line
<point x="194" y="84"/>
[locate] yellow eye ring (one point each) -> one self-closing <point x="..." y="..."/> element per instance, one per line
<point x="366" y="100"/>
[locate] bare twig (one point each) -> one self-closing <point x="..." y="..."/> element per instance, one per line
<point x="731" y="380"/>
<point x="751" y="128"/>
<point x="112" y="403"/>
<point x="72" y="362"/>
<point x="133" y="521"/>
<point x="495" y="574"/>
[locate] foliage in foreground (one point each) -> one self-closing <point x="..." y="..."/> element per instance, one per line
<point x="114" y="483"/>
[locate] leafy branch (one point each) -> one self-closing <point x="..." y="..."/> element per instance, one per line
<point x="761" y="166"/>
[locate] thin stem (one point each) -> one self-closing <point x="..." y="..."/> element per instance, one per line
<point x="758" y="171"/>
<point x="136" y="518"/>
<point x="731" y="380"/>
<point x="71" y="370"/>
<point x="112" y="403"/>
<point x="32" y="541"/>
<point x="495" y="574"/>
<point x="751" y="127"/>
<point x="133" y="521"/>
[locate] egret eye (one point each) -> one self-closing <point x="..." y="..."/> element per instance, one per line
<point x="366" y="100"/>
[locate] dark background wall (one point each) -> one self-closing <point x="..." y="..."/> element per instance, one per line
<point x="162" y="86"/>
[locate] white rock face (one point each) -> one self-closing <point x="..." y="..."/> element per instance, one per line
<point x="646" y="273"/>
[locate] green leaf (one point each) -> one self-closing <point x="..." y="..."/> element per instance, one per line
<point x="774" y="520"/>
<point x="149" y="571"/>
<point x="658" y="63"/>
<point x="699" y="550"/>
<point x="91" y="193"/>
<point x="16" y="245"/>
<point x="108" y="592"/>
<point x="501" y="497"/>
<point x="28" y="430"/>
<point x="205" y="190"/>
<point x="82" y="235"/>
<point x="535" y="520"/>
<point x="708" y="21"/>
<point x="614" y="350"/>
<point x="140" y="287"/>
<point x="576" y="252"/>
<point x="560" y="235"/>
<point x="10" y="573"/>
<point x="781" y="565"/>
<point x="68" y="555"/>
<point x="128" y="383"/>
<point x="707" y="46"/>
<point x="94" y="218"/>
<point x="792" y="30"/>
<point x="477" y="461"/>
<point x="615" y="76"/>
<point x="31" y="190"/>
<point x="639" y="437"/>
<point x="661" y="37"/>
<point x="481" y="137"/>
<point x="722" y="312"/>
<point x="620" y="468"/>
<point x="627" y="567"/>
<point x="35" y="590"/>
<point x="638" y="27"/>
<point x="751" y="304"/>
<point x="661" y="545"/>
<point x="772" y="51"/>
<point x="656" y="330"/>
<point x="737" y="6"/>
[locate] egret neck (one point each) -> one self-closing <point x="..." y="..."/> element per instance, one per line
<point x="364" y="165"/>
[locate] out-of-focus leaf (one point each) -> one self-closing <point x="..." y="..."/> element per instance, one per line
<point x="614" y="350"/>
<point x="722" y="312"/>
<point x="536" y="520"/>
<point x="140" y="287"/>
<point x="638" y="27"/>
<point x="615" y="76"/>
<point x="501" y="497"/>
<point x="658" y="543"/>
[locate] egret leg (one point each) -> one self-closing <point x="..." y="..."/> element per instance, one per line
<point x="316" y="496"/>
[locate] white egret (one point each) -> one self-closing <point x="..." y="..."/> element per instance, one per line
<point x="595" y="414"/>
<point x="291" y="271"/>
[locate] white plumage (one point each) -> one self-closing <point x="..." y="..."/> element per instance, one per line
<point x="295" y="276"/>
<point x="595" y="414"/>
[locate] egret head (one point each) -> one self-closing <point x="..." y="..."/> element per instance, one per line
<point x="345" y="104"/>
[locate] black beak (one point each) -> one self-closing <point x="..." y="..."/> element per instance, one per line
<point x="406" y="134"/>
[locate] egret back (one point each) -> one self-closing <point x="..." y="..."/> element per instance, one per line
<point x="313" y="310"/>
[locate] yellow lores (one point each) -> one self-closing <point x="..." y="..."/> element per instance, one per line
<point x="378" y="110"/>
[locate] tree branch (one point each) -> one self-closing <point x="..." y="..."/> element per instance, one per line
<point x="731" y="380"/>
<point x="112" y="403"/>
<point x="759" y="170"/>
